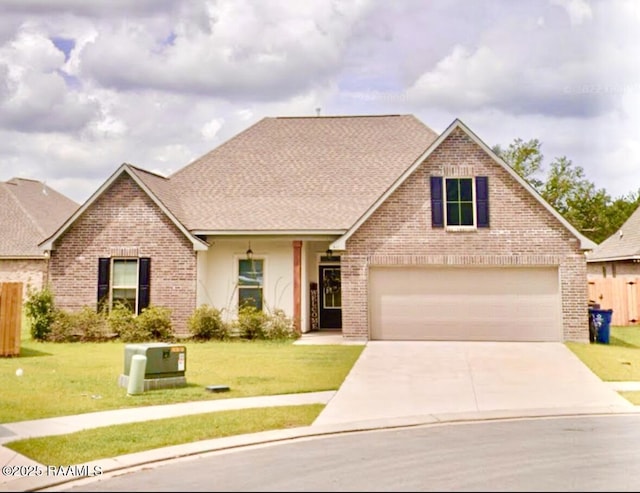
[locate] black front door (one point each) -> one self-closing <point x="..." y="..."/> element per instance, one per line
<point x="330" y="293"/>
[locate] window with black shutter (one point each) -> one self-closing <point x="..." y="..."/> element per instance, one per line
<point x="124" y="281"/>
<point x="459" y="203"/>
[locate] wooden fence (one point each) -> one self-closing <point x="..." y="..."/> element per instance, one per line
<point x="620" y="294"/>
<point x="10" y="318"/>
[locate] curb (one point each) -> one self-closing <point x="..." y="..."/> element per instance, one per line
<point x="130" y="462"/>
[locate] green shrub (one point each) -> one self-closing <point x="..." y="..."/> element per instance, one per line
<point x="206" y="323"/>
<point x="256" y="324"/>
<point x="122" y="323"/>
<point x="85" y="325"/>
<point x="91" y="326"/>
<point x="251" y="323"/>
<point x="41" y="312"/>
<point x="280" y="326"/>
<point x="156" y="322"/>
<point x="61" y="329"/>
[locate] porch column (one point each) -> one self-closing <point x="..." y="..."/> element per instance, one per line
<point x="297" y="284"/>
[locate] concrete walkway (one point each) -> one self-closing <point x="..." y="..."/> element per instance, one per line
<point x="393" y="384"/>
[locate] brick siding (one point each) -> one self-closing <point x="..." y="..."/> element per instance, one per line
<point x="30" y="272"/>
<point x="522" y="232"/>
<point x="124" y="220"/>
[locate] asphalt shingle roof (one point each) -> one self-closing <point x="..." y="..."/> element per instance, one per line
<point x="29" y="212"/>
<point x="623" y="244"/>
<point x="297" y="173"/>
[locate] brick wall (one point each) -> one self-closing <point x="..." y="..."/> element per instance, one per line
<point x="521" y="232"/>
<point x="30" y="272"/>
<point x="124" y="220"/>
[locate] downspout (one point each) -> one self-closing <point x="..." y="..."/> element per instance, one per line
<point x="47" y="266"/>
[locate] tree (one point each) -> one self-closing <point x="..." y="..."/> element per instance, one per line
<point x="569" y="191"/>
<point x="566" y="188"/>
<point x="619" y="211"/>
<point x="525" y="158"/>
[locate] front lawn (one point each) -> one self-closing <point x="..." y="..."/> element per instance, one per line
<point x="61" y="379"/>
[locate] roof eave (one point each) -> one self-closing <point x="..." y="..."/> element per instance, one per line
<point x="268" y="232"/>
<point x="43" y="256"/>
<point x="614" y="259"/>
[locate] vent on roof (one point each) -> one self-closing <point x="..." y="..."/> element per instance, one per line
<point x="620" y="234"/>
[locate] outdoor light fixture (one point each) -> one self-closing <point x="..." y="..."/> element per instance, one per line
<point x="329" y="252"/>
<point x="249" y="252"/>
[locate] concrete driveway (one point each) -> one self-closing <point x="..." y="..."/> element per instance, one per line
<point x="475" y="379"/>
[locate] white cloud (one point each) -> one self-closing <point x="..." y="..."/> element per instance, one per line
<point x="246" y="51"/>
<point x="525" y="67"/>
<point x="35" y="96"/>
<point x="210" y="129"/>
<point x="578" y="11"/>
<point x="157" y="83"/>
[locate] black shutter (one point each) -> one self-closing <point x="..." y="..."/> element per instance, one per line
<point x="482" y="201"/>
<point x="144" y="278"/>
<point x="437" y="206"/>
<point x="104" y="269"/>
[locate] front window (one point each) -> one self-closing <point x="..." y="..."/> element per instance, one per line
<point x="459" y="202"/>
<point x="124" y="288"/>
<point x="250" y="282"/>
<point x="124" y="281"/>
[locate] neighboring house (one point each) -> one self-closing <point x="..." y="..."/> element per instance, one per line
<point x="30" y="212"/>
<point x="372" y="225"/>
<point x="613" y="271"/>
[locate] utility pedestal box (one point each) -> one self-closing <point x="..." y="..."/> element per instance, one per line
<point x="165" y="367"/>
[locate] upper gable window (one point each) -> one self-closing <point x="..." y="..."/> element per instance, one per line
<point x="460" y="202"/>
<point x="460" y="206"/>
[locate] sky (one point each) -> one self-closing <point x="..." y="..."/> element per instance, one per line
<point x="88" y="85"/>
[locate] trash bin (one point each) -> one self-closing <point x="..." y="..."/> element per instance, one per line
<point x="601" y="322"/>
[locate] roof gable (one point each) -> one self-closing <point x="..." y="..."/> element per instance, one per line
<point x="340" y="243"/>
<point x="624" y="244"/>
<point x="150" y="183"/>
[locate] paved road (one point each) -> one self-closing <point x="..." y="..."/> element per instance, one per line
<point x="588" y="453"/>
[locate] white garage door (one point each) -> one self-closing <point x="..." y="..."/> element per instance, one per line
<point x="465" y="303"/>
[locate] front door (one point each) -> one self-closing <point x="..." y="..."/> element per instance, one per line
<point x="330" y="297"/>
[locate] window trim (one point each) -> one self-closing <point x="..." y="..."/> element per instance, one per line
<point x="135" y="286"/>
<point x="238" y="258"/>
<point x="474" y="202"/>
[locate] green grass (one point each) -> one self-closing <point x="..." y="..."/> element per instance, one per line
<point x="89" y="445"/>
<point x="611" y="363"/>
<point x="63" y="379"/>
<point x="618" y="361"/>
